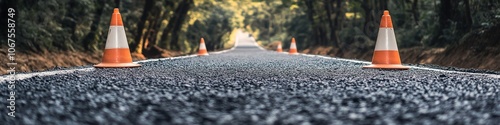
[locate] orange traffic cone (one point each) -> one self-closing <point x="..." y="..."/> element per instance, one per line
<point x="116" y="53"/>
<point x="202" y="49"/>
<point x="293" y="48"/>
<point x="386" y="54"/>
<point x="279" y="49"/>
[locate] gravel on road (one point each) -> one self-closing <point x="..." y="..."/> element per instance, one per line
<point x="251" y="86"/>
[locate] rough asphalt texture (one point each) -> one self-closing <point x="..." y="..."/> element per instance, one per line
<point x="251" y="86"/>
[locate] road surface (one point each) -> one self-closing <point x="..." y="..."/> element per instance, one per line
<point x="248" y="85"/>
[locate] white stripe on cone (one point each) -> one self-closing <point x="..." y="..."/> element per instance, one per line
<point x="202" y="46"/>
<point x="293" y="46"/>
<point x="386" y="40"/>
<point x="116" y="38"/>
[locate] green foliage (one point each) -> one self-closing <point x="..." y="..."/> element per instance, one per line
<point x="416" y="22"/>
<point x="82" y="25"/>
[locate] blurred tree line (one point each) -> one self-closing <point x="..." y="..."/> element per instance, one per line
<point x="354" y="24"/>
<point x="82" y="25"/>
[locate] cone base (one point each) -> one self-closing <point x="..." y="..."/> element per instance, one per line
<point x="206" y="54"/>
<point x="116" y="65"/>
<point x="293" y="53"/>
<point x="386" y="66"/>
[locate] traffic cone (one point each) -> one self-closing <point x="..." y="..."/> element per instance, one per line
<point x="386" y="54"/>
<point x="293" y="48"/>
<point x="203" y="49"/>
<point x="116" y="53"/>
<point x="279" y="49"/>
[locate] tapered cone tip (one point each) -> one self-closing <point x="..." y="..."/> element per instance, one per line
<point x="293" y="40"/>
<point x="116" y="18"/>
<point x="386" y="12"/>
<point x="202" y="40"/>
<point x="386" y="21"/>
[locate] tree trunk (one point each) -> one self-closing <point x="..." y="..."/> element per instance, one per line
<point x="183" y="10"/>
<point x="415" y="12"/>
<point x="444" y="13"/>
<point x="339" y="17"/>
<point x="310" y="15"/>
<point x="368" y="26"/>
<point x="136" y="45"/>
<point x="328" y="8"/>
<point x="91" y="40"/>
<point x="468" y="16"/>
<point x="174" y="25"/>
<point x="321" y="25"/>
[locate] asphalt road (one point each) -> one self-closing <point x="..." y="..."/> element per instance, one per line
<point x="250" y="86"/>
